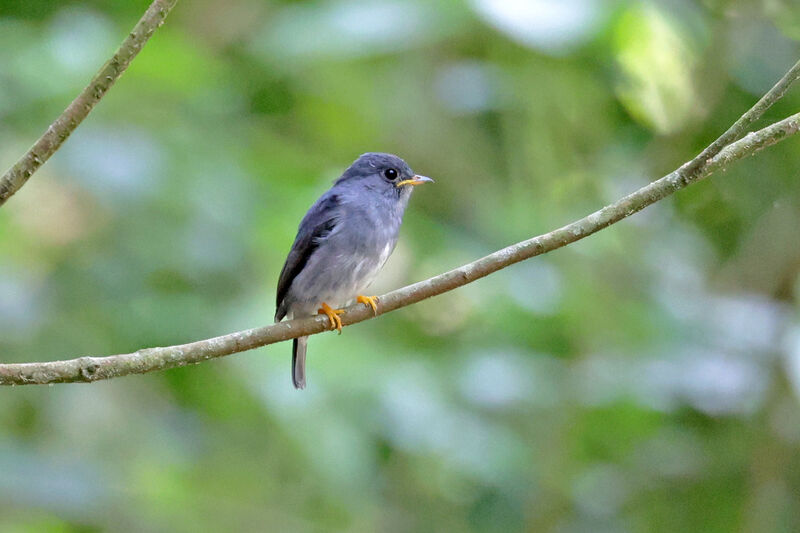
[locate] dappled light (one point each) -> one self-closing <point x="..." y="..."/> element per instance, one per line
<point x="644" y="378"/>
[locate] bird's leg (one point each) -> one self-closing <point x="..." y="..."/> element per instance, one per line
<point x="371" y="301"/>
<point x="333" y="316"/>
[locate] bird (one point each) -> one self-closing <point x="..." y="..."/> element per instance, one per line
<point x="342" y="243"/>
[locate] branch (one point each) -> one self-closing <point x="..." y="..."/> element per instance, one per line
<point x="73" y="115"/>
<point x="740" y="126"/>
<point x="87" y="369"/>
<point x="715" y="156"/>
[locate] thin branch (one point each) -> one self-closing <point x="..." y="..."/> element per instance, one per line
<point x="87" y="369"/>
<point x="740" y="126"/>
<point x="717" y="155"/>
<point x="73" y="115"/>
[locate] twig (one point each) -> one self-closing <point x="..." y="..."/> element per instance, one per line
<point x="87" y="369"/>
<point x="740" y="126"/>
<point x="73" y="115"/>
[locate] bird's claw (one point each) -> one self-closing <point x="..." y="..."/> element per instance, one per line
<point x="371" y="301"/>
<point x="333" y="316"/>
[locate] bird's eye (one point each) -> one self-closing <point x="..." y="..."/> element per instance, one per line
<point x="390" y="174"/>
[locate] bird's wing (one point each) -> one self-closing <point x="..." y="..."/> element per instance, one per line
<point x="318" y="223"/>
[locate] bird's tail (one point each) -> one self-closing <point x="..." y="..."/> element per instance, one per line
<point x="299" y="362"/>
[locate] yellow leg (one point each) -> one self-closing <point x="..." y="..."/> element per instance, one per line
<point x="333" y="316"/>
<point x="371" y="301"/>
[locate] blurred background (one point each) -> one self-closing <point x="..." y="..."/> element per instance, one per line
<point x="643" y="379"/>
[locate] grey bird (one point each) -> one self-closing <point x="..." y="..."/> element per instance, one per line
<point x="342" y="243"/>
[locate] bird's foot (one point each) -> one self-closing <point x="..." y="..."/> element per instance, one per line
<point x="371" y="301"/>
<point x="333" y="316"/>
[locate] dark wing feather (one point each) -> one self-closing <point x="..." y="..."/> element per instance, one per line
<point x="316" y="225"/>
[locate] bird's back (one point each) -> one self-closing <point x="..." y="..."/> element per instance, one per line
<point x="342" y="243"/>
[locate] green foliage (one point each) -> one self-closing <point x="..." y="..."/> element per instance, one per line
<point x="644" y="379"/>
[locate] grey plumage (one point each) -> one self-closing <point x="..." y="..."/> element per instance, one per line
<point x="343" y="241"/>
<point x="299" y="362"/>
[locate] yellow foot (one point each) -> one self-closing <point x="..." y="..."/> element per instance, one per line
<point x="333" y="316"/>
<point x="371" y="301"/>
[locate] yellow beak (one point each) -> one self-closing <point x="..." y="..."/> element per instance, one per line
<point x="416" y="180"/>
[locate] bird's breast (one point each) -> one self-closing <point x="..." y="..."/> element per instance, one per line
<point x="348" y="260"/>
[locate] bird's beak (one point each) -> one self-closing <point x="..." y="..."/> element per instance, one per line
<point x="416" y="180"/>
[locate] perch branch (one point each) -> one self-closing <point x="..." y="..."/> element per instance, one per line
<point x="87" y="369"/>
<point x="79" y="109"/>
<point x="718" y="154"/>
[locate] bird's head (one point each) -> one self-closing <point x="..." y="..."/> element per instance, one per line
<point x="384" y="173"/>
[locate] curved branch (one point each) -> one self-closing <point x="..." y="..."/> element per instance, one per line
<point x="715" y="156"/>
<point x="87" y="369"/>
<point x="58" y="132"/>
<point x="740" y="126"/>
